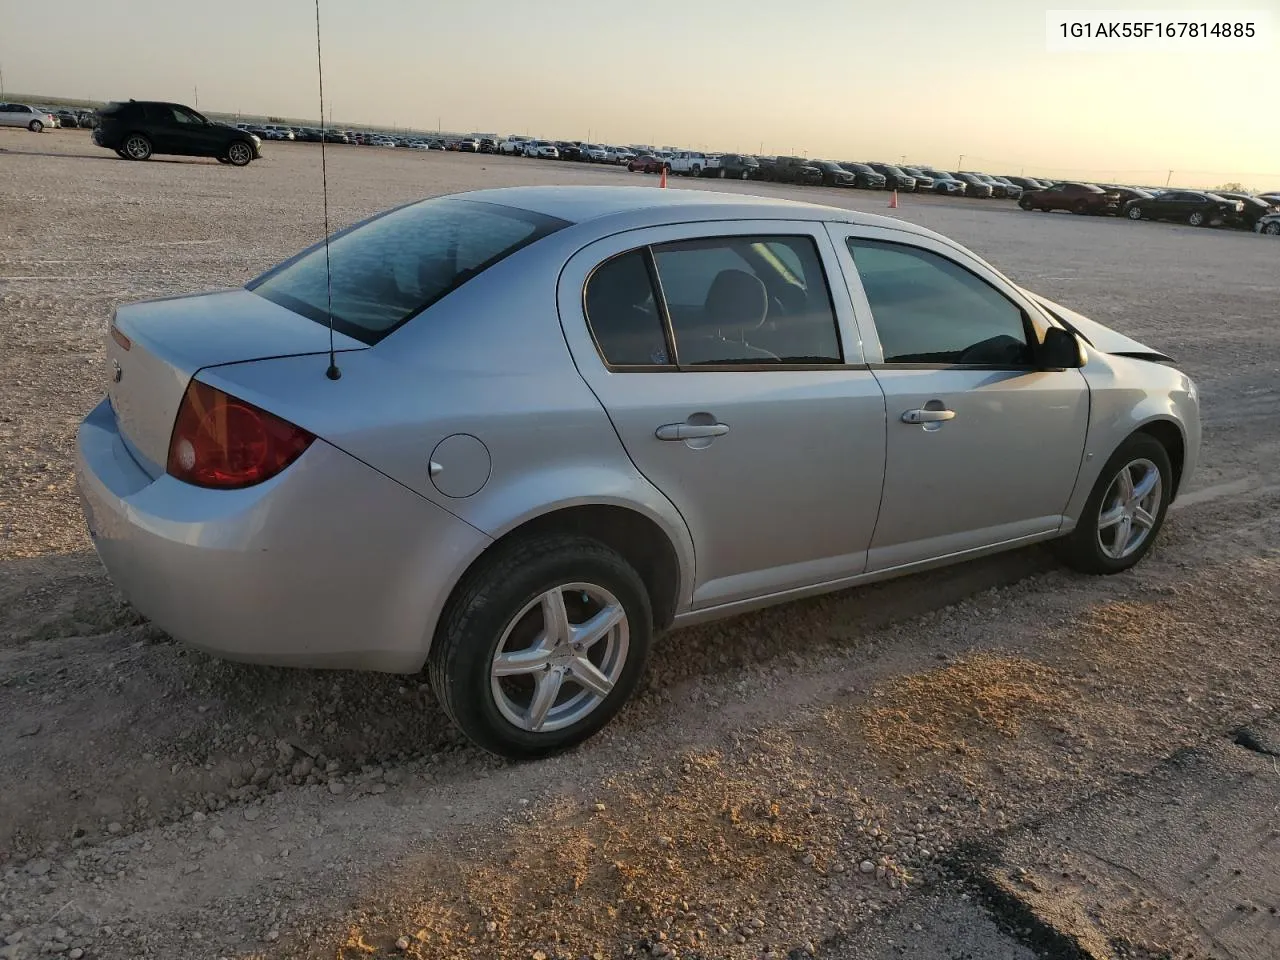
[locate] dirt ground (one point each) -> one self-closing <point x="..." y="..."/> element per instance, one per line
<point x="809" y="780"/>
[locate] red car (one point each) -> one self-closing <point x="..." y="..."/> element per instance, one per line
<point x="1076" y="197"/>
<point x="646" y="164"/>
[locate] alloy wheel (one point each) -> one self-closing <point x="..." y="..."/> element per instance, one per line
<point x="1129" y="509"/>
<point x="560" y="657"/>
<point x="137" y="148"/>
<point x="239" y="154"/>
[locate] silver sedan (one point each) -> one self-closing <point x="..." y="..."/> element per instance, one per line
<point x="558" y="420"/>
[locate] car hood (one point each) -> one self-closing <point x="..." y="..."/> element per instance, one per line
<point x="1099" y="337"/>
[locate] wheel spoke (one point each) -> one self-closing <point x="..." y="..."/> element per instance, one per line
<point x="544" y="697"/>
<point x="520" y="662"/>
<point x="555" y="619"/>
<point x="1111" y="517"/>
<point x="1144" y="486"/>
<point x="1124" y="484"/>
<point x="588" y="676"/>
<point x="585" y="635"/>
<point x="1143" y="519"/>
<point x="1123" y="530"/>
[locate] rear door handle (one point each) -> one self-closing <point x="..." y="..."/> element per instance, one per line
<point x="690" y="431"/>
<point x="928" y="416"/>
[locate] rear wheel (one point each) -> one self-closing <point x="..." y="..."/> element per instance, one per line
<point x="1197" y="218"/>
<point x="137" y="147"/>
<point x="541" y="645"/>
<point x="239" y="154"/>
<point x="1024" y="203"/>
<point x="35" y="126"/>
<point x="1135" y="213"/>
<point x="1080" y="207"/>
<point x="1271" y="229"/>
<point x="1125" y="511"/>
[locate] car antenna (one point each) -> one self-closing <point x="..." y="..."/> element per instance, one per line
<point x="333" y="373"/>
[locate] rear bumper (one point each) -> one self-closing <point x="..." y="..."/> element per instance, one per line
<point x="328" y="564"/>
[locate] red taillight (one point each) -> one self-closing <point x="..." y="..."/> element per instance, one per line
<point x="222" y="442"/>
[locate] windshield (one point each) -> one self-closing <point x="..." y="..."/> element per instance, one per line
<point x="387" y="270"/>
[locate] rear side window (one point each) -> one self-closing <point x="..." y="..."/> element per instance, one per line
<point x="748" y="300"/>
<point x="389" y="269"/>
<point x="623" y="314"/>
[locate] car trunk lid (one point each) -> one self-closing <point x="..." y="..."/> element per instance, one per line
<point x="156" y="346"/>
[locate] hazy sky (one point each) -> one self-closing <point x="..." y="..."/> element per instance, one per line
<point x="846" y="79"/>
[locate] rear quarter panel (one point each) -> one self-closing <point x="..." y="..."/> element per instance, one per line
<point x="489" y="360"/>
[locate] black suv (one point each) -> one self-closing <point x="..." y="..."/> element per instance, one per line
<point x="139" y="128"/>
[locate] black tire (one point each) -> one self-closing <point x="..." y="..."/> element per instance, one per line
<point x="1134" y="213"/>
<point x="484" y="604"/>
<point x="1025" y="204"/>
<point x="1271" y="229"/>
<point x="239" y="153"/>
<point x="1197" y="218"/>
<point x="35" y="126"/>
<point x="1080" y="208"/>
<point x="137" y="147"/>
<point x="1081" y="548"/>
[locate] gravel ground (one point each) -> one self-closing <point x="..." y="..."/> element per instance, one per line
<point x="787" y="783"/>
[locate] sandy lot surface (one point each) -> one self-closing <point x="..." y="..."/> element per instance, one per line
<point x="811" y="780"/>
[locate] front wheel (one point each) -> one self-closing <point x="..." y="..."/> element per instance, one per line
<point x="239" y="154"/>
<point x="1125" y="511"/>
<point x="1135" y="213"/>
<point x="1271" y="229"/>
<point x="1024" y="203"/>
<point x="35" y="126"/>
<point x="541" y="645"/>
<point x="1197" y="219"/>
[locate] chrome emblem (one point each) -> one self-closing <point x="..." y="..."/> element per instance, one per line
<point x="117" y="373"/>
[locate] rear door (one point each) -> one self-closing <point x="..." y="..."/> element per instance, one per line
<point x="983" y="446"/>
<point x="733" y="375"/>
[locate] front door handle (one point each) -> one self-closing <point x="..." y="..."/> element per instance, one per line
<point x="928" y="416"/>
<point x="691" y="431"/>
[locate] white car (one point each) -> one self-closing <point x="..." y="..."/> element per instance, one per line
<point x="595" y="153"/>
<point x="22" y="115"/>
<point x="513" y="146"/>
<point x="543" y="149"/>
<point x="618" y="155"/>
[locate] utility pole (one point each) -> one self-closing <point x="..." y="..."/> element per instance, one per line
<point x="1" y="81"/>
<point x="960" y="165"/>
<point x="195" y="95"/>
<point x="1168" y="178"/>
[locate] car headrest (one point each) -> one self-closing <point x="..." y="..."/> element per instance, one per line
<point x="736" y="299"/>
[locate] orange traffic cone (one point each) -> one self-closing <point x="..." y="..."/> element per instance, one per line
<point x="663" y="181"/>
<point x="893" y="204"/>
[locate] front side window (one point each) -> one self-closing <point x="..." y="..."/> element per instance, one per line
<point x="748" y="300"/>
<point x="389" y="269"/>
<point x="929" y="309"/>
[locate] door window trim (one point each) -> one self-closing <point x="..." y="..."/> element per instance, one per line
<point x="848" y="338"/>
<point x="1034" y="321"/>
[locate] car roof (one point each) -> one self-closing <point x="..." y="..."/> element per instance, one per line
<point x="583" y="204"/>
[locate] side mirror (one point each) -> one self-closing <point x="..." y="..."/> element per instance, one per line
<point x="1060" y="350"/>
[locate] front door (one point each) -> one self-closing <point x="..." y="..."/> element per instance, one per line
<point x="983" y="446"/>
<point x="732" y="376"/>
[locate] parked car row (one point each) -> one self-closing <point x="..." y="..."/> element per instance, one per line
<point x="36" y="118"/>
<point x="1199" y="208"/>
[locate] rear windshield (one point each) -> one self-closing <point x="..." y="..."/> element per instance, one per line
<point x="387" y="270"/>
